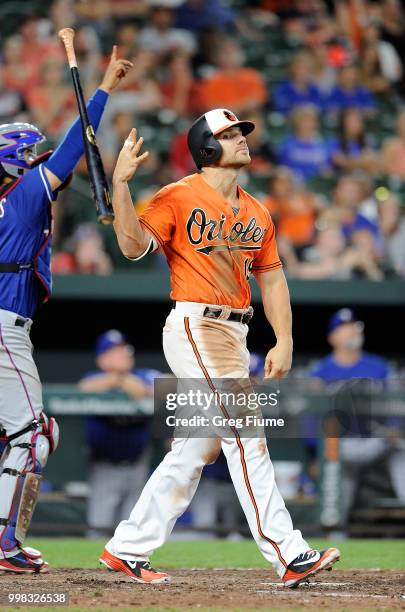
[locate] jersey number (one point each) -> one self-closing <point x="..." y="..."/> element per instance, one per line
<point x="248" y="267"/>
<point x="2" y="202"/>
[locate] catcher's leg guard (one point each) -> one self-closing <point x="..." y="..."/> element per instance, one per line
<point x="23" y="460"/>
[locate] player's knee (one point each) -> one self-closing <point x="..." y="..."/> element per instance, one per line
<point x="40" y="438"/>
<point x="211" y="454"/>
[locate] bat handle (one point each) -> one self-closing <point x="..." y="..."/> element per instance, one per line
<point x="67" y="35"/>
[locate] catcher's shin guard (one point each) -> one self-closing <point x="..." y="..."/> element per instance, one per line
<point x="23" y="460"/>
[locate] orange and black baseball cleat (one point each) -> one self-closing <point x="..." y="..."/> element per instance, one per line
<point x="308" y="564"/>
<point x="140" y="571"/>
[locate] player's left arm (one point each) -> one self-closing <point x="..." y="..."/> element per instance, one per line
<point x="277" y="307"/>
<point x="63" y="161"/>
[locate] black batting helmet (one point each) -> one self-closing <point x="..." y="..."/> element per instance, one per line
<point x="204" y="148"/>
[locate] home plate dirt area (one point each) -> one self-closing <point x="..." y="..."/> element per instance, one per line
<point x="218" y="588"/>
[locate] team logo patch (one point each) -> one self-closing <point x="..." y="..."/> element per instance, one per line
<point x="230" y="116"/>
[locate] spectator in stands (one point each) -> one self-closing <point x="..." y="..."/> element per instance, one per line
<point x="35" y="47"/>
<point x="160" y="37"/>
<point x="359" y="451"/>
<point x="380" y="206"/>
<point x="141" y="92"/>
<point x="353" y="149"/>
<point x="393" y="151"/>
<point x="330" y="258"/>
<point x="232" y="85"/>
<point x="130" y="9"/>
<point x="298" y="20"/>
<point x="380" y="66"/>
<point x="200" y="15"/>
<point x="393" y="26"/>
<point x="17" y="74"/>
<point x="299" y="89"/>
<point x="292" y="207"/>
<point x="127" y="39"/>
<point x="305" y="152"/>
<point x="97" y="15"/>
<point x="177" y="82"/>
<point x="349" y="93"/>
<point x="350" y="16"/>
<point x="370" y="263"/>
<point x="347" y="198"/>
<point x="87" y="255"/>
<point x="323" y="72"/>
<point x="118" y="444"/>
<point x="53" y="102"/>
<point x="62" y="15"/>
<point x="12" y="105"/>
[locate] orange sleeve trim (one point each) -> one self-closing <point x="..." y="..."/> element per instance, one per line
<point x="152" y="231"/>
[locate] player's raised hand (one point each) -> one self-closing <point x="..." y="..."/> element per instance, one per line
<point x="116" y="70"/>
<point x="278" y="361"/>
<point x="129" y="158"/>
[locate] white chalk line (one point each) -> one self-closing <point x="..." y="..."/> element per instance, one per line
<point x="310" y="584"/>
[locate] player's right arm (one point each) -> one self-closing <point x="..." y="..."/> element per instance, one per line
<point x="133" y="239"/>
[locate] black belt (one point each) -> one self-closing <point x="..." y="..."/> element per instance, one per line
<point x="16" y="266"/>
<point x="214" y="312"/>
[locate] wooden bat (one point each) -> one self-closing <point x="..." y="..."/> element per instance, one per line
<point x="98" y="179"/>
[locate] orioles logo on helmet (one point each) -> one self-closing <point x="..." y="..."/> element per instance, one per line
<point x="229" y="116"/>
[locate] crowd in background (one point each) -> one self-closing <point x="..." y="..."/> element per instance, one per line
<point x="323" y="81"/>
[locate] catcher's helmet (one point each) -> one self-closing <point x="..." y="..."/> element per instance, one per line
<point x="204" y="148"/>
<point x="15" y="140"/>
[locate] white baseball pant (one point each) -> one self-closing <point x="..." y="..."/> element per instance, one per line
<point x="202" y="348"/>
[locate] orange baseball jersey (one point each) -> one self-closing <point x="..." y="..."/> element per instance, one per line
<point x="211" y="251"/>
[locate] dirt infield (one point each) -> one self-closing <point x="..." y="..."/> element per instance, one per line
<point x="218" y="588"/>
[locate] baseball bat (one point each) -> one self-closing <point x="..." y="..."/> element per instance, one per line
<point x="98" y="179"/>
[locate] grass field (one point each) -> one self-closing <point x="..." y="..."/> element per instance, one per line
<point x="359" y="554"/>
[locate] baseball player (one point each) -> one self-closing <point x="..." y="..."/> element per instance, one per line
<point x="118" y="444"/>
<point x="359" y="448"/>
<point x="28" y="187"/>
<point x="214" y="235"/>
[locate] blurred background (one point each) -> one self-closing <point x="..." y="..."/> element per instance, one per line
<point x="324" y="82"/>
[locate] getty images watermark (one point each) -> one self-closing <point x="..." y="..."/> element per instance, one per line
<point x="280" y="408"/>
<point x="201" y="408"/>
<point x="205" y="401"/>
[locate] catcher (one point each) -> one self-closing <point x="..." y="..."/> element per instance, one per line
<point x="29" y="185"/>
